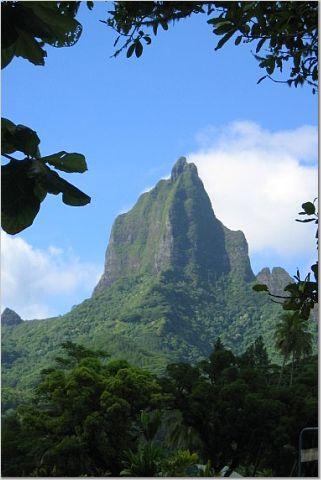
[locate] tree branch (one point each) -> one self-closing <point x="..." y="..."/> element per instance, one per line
<point x="9" y="157"/>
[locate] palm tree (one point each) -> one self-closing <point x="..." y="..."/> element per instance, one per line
<point x="178" y="434"/>
<point x="143" y="463"/>
<point x="292" y="338"/>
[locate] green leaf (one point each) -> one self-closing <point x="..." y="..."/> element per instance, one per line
<point x="90" y="5"/>
<point x="218" y="22"/>
<point x="164" y="24"/>
<point x="7" y="131"/>
<point x="67" y="162"/>
<point x="26" y="140"/>
<point x="224" y="39"/>
<point x="245" y="29"/>
<point x="260" y="288"/>
<point x="63" y="30"/>
<point x="260" y="44"/>
<point x="224" y="28"/>
<point x="291" y="287"/>
<point x="309" y="208"/>
<point x="314" y="269"/>
<point x="29" y="25"/>
<point x="19" y="137"/>
<point x="131" y="49"/>
<point x="40" y="191"/>
<point x="155" y="27"/>
<point x="7" y="55"/>
<point x="75" y="197"/>
<point x="7" y="124"/>
<point x="249" y="5"/>
<point x="270" y="65"/>
<point x="138" y="49"/>
<point x="147" y="39"/>
<point x="25" y="184"/>
<point x="238" y="40"/>
<point x="20" y="204"/>
<point x="255" y="30"/>
<point x="53" y="183"/>
<point x="27" y="47"/>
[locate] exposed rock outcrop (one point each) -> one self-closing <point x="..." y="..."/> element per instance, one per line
<point x="275" y="279"/>
<point x="10" y="317"/>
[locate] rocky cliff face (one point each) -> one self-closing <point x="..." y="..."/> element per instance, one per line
<point x="10" y="317"/>
<point x="275" y="279"/>
<point x="173" y="227"/>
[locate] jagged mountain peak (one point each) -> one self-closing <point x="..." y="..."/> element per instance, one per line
<point x="173" y="226"/>
<point x="10" y="317"/>
<point x="181" y="166"/>
<point x="275" y="279"/>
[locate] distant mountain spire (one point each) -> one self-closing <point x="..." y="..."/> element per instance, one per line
<point x="173" y="227"/>
<point x="10" y="317"/>
<point x="275" y="280"/>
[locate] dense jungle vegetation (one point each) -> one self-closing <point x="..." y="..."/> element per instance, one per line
<point x="148" y="321"/>
<point x="92" y="416"/>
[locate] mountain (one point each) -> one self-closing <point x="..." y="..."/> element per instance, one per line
<point x="275" y="279"/>
<point x="174" y="227"/>
<point x="10" y="317"/>
<point x="175" y="279"/>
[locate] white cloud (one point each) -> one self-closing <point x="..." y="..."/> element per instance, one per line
<point x="300" y="143"/>
<point x="258" y="179"/>
<point x="36" y="283"/>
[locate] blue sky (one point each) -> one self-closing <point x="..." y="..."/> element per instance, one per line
<point x="133" y="118"/>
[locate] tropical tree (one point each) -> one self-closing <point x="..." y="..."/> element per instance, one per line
<point x="180" y="464"/>
<point x="256" y="355"/>
<point x="219" y="361"/>
<point x="145" y="462"/>
<point x="178" y="434"/>
<point x="151" y="460"/>
<point x="92" y="416"/>
<point x="81" y="418"/>
<point x="292" y="339"/>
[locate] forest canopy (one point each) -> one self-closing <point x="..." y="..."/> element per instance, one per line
<point x="98" y="417"/>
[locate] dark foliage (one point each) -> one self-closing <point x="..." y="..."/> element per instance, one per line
<point x="26" y="27"/>
<point x="240" y="413"/>
<point x="80" y="419"/>
<point x="25" y="183"/>
<point x="96" y="418"/>
<point x="285" y="34"/>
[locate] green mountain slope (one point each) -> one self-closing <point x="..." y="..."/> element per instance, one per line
<point x="175" y="279"/>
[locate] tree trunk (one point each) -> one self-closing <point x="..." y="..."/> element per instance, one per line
<point x="281" y="373"/>
<point x="257" y="461"/>
<point x="292" y="366"/>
